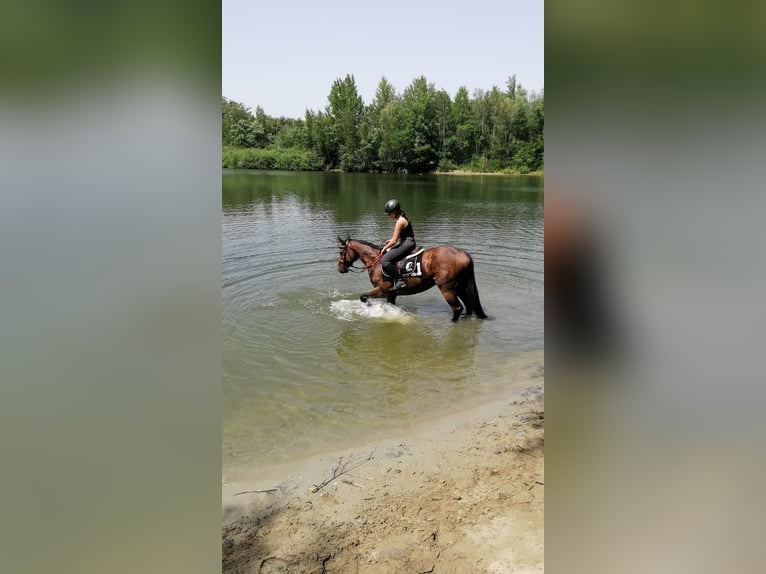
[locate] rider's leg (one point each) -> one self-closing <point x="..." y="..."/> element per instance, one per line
<point x="390" y="272"/>
<point x="390" y="259"/>
<point x="388" y="265"/>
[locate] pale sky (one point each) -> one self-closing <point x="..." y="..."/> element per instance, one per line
<point x="284" y="55"/>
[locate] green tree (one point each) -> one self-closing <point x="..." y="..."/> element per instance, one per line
<point x="421" y="137"/>
<point x="418" y="131"/>
<point x="480" y="107"/>
<point x="385" y="94"/>
<point x="503" y="110"/>
<point x="291" y="135"/>
<point x="247" y="134"/>
<point x="393" y="137"/>
<point x="345" y="110"/>
<point x="461" y="145"/>
<point x="446" y="125"/>
<point x="537" y="130"/>
<point x="511" y="85"/>
<point x="234" y="114"/>
<point x="319" y="133"/>
<point x="371" y="132"/>
<point x="267" y="126"/>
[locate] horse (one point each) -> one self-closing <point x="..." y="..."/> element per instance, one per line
<point x="446" y="266"/>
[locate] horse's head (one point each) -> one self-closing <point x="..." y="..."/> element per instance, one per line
<point x="346" y="255"/>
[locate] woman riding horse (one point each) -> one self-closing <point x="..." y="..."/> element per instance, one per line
<point x="401" y="244"/>
<point x="446" y="266"/>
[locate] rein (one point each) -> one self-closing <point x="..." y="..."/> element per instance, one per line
<point x="357" y="269"/>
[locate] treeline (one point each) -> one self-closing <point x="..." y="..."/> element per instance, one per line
<point x="419" y="131"/>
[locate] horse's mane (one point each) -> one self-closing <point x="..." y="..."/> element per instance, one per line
<point x="368" y="243"/>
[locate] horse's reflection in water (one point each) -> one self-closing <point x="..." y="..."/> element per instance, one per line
<point x="400" y="361"/>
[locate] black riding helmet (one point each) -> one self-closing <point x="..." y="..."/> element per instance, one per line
<point x="392" y="205"/>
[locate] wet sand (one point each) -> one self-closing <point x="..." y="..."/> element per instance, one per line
<point x="462" y="494"/>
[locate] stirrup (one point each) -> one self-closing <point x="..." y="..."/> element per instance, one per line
<point x="399" y="283"/>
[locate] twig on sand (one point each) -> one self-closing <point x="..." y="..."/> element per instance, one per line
<point x="340" y="469"/>
<point x="254" y="491"/>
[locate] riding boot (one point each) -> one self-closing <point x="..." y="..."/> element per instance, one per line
<point x="397" y="281"/>
<point x="391" y="273"/>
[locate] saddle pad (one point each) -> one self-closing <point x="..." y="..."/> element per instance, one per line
<point x="411" y="267"/>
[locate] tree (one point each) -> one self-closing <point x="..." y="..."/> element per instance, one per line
<point x="418" y="131"/>
<point x="460" y="146"/>
<point x="511" y="85"/>
<point x="480" y="109"/>
<point x="421" y="135"/>
<point x="503" y="111"/>
<point x="372" y="128"/>
<point x="234" y="114"/>
<point x="446" y="126"/>
<point x="393" y="137"/>
<point x="385" y="94"/>
<point x="319" y="135"/>
<point x="291" y="135"/>
<point x="345" y="109"/>
<point x="537" y="130"/>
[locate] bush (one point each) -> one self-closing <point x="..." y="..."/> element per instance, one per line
<point x="447" y="165"/>
<point x="524" y="160"/>
<point x="352" y="160"/>
<point x="482" y="164"/>
<point x="282" y="159"/>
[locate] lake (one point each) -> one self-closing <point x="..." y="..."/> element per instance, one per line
<point x="307" y="367"/>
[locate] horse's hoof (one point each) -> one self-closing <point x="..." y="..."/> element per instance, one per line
<point x="363" y="298"/>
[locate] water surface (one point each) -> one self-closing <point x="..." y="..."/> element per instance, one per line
<point x="307" y="367"/>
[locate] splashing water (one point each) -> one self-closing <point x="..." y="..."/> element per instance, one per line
<point x="350" y="310"/>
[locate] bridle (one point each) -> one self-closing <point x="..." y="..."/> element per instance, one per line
<point x="347" y="267"/>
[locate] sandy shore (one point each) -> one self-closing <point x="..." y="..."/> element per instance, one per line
<point x="462" y="495"/>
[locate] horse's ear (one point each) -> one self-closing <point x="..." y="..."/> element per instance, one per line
<point x="348" y="237"/>
<point x="341" y="241"/>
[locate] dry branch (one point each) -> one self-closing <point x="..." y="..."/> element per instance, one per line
<point x="253" y="491"/>
<point x="340" y="469"/>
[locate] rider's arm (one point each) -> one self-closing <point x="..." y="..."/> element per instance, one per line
<point x="401" y="223"/>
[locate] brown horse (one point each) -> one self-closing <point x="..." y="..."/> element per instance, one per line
<point x="448" y="267"/>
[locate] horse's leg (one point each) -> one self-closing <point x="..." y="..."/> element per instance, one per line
<point x="462" y="293"/>
<point x="452" y="300"/>
<point x="375" y="292"/>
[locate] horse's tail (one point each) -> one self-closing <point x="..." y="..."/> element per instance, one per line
<point x="472" y="293"/>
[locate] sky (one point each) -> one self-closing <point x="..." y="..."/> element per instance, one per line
<point x="284" y="55"/>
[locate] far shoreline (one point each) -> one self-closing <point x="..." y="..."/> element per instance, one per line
<point x="464" y="172"/>
<point x="454" y="172"/>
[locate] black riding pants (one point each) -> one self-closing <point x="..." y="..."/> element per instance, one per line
<point x="389" y="259"/>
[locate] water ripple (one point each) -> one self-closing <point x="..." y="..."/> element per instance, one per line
<point x="306" y="364"/>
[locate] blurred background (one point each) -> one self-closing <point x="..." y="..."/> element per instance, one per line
<point x="110" y="307"/>
<point x="654" y="274"/>
<point x="110" y="226"/>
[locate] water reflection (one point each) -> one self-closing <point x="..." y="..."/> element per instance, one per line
<point x="348" y="196"/>
<point x="408" y="360"/>
<point x="306" y="366"/>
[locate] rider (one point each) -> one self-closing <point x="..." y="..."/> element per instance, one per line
<point x="402" y="243"/>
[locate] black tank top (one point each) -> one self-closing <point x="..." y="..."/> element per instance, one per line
<point x="406" y="232"/>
